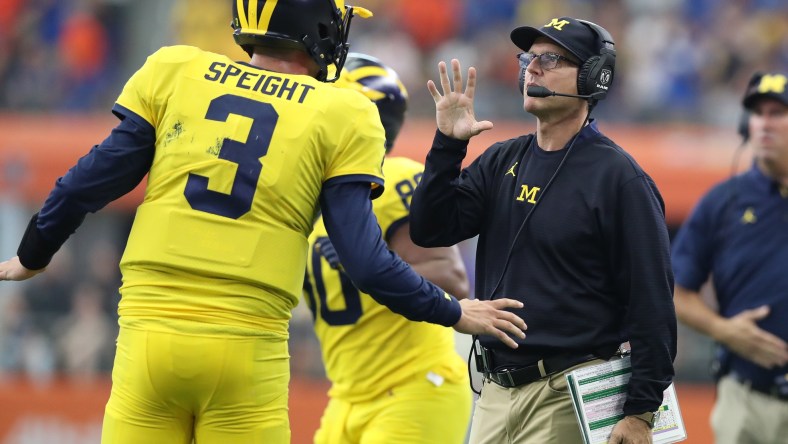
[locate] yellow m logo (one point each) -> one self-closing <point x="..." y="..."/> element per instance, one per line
<point x="774" y="83"/>
<point x="557" y="24"/>
<point x="749" y="216"/>
<point x="527" y="193"/>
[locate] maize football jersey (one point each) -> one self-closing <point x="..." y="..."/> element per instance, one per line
<point x="241" y="156"/>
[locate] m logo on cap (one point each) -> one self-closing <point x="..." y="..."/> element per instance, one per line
<point x="557" y="24"/>
<point x="772" y="83"/>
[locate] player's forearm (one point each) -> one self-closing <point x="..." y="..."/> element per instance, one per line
<point x="110" y="170"/>
<point x="374" y="269"/>
<point x="35" y="250"/>
<point x="693" y="312"/>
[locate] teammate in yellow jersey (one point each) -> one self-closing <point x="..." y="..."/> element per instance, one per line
<point x="238" y="155"/>
<point x="392" y="380"/>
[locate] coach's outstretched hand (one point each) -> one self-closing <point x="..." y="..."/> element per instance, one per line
<point x="490" y="318"/>
<point x="454" y="108"/>
<point x="13" y="270"/>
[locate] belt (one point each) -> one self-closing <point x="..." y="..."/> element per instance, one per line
<point x="772" y="390"/>
<point x="515" y="377"/>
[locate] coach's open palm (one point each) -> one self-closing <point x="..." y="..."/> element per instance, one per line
<point x="490" y="318"/>
<point x="454" y="109"/>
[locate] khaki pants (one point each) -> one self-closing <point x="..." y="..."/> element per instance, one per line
<point x="744" y="416"/>
<point x="537" y="413"/>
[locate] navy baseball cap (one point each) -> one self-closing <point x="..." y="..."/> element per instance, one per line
<point x="567" y="32"/>
<point x="763" y="85"/>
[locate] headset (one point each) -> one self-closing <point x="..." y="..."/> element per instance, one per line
<point x="594" y="76"/>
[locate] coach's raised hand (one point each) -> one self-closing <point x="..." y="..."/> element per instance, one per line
<point x="491" y="318"/>
<point x="454" y="109"/>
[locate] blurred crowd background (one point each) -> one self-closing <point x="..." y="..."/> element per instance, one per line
<point x="678" y="61"/>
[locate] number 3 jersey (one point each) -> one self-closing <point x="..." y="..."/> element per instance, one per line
<point x="367" y="349"/>
<point x="219" y="244"/>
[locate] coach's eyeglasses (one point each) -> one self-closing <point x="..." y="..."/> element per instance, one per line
<point x="547" y="60"/>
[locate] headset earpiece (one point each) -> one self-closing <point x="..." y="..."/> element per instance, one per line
<point x="584" y="74"/>
<point x="596" y="74"/>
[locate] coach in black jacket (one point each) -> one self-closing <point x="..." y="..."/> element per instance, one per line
<point x="569" y="224"/>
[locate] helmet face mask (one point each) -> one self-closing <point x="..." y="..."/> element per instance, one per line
<point x="382" y="86"/>
<point x="319" y="27"/>
<point x="342" y="47"/>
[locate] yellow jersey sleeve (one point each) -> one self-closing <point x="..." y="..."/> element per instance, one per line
<point x="355" y="155"/>
<point x="148" y="89"/>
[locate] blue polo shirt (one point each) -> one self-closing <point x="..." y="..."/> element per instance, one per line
<point x="738" y="233"/>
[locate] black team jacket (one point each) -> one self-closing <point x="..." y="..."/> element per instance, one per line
<point x="592" y="262"/>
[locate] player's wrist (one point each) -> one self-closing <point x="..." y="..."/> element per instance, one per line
<point x="35" y="252"/>
<point x="449" y="312"/>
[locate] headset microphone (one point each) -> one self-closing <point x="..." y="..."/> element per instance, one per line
<point x="541" y="91"/>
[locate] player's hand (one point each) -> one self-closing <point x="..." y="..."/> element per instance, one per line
<point x="631" y="430"/>
<point x="454" y="109"/>
<point x="13" y="270"/>
<point x="327" y="250"/>
<point x="742" y="335"/>
<point x="490" y="318"/>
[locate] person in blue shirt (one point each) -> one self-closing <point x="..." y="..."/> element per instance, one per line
<point x="738" y="235"/>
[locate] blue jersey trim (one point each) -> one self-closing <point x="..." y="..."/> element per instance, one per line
<point x="366" y="178"/>
<point x="121" y="112"/>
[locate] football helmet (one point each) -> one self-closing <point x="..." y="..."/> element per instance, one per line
<point x="382" y="85"/>
<point x="318" y="26"/>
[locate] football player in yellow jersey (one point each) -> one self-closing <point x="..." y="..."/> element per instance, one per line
<point x="238" y="156"/>
<point x="392" y="380"/>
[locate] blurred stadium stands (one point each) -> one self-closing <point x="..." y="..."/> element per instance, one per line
<point x="682" y="65"/>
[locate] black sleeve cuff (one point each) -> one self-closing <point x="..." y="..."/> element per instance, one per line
<point x="444" y="142"/>
<point x="450" y="311"/>
<point x="34" y="251"/>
